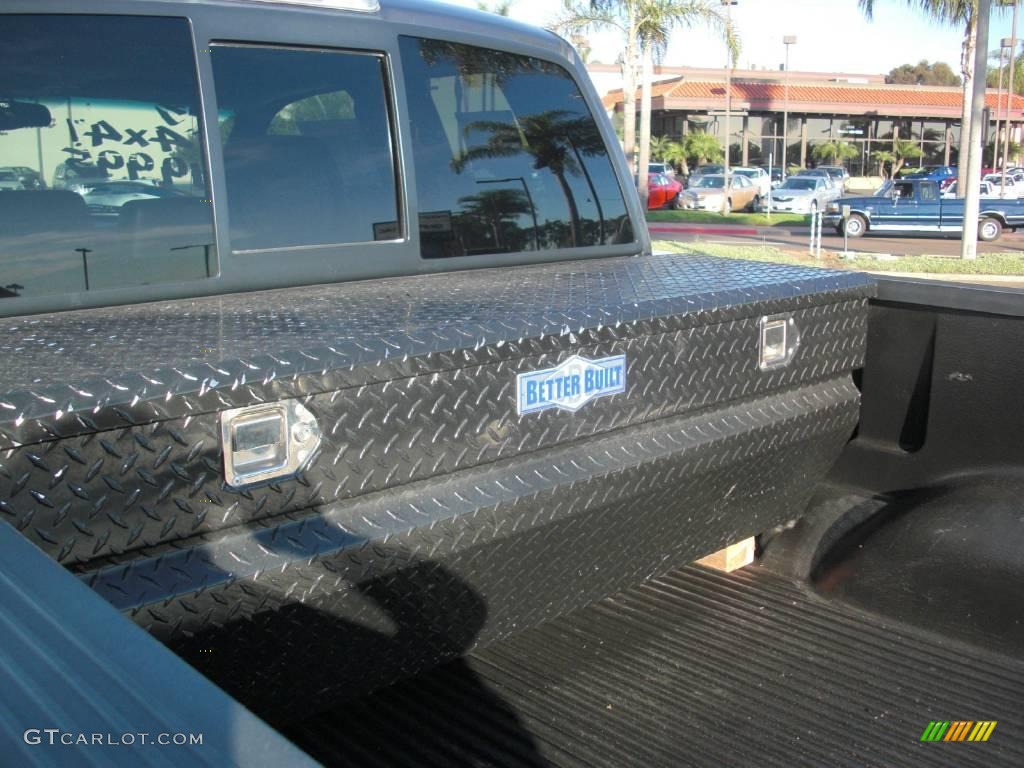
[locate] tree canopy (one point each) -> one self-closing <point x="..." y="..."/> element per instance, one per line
<point x="923" y="73"/>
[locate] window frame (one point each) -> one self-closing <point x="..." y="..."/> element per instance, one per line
<point x="131" y="294"/>
<point x="616" y="159"/>
<point x="390" y="107"/>
<point x="311" y="27"/>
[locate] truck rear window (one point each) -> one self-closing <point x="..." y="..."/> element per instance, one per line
<point x="307" y="142"/>
<point x="506" y="154"/>
<point x="99" y="129"/>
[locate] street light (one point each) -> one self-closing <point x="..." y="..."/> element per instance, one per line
<point x="1009" y="99"/>
<point x="787" y="41"/>
<point x="1003" y="45"/>
<point x="728" y="98"/>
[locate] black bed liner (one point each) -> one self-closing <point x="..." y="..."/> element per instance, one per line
<point x="694" y="668"/>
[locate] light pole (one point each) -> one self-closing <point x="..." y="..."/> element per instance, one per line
<point x="1009" y="99"/>
<point x="728" y="100"/>
<point x="787" y="41"/>
<point x="999" y="103"/>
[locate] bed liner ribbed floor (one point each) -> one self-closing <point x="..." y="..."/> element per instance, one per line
<point x="695" y="668"/>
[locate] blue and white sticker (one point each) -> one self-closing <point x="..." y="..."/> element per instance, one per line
<point x="571" y="384"/>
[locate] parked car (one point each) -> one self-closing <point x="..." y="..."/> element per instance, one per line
<point x="665" y="169"/>
<point x="79" y="176"/>
<point x="943" y="174"/>
<point x="706" y="170"/>
<point x="775" y="174"/>
<point x="662" y="192"/>
<point x="1012" y="187"/>
<point x="9" y="179"/>
<point x="110" y="197"/>
<point x="708" y="193"/>
<point x="840" y="176"/>
<point x="758" y="177"/>
<point x="29" y="177"/>
<point x="987" y="190"/>
<point x="806" y="193"/>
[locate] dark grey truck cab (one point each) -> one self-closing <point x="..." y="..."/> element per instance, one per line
<point x="371" y="364"/>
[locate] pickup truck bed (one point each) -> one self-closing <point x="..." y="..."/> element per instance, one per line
<point x="435" y="519"/>
<point x="692" y="668"/>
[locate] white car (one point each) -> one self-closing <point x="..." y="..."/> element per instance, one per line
<point x="987" y="190"/>
<point x="758" y="177"/>
<point x="1014" y="189"/>
<point x="804" y="194"/>
<point x="665" y="169"/>
<point x="107" y="199"/>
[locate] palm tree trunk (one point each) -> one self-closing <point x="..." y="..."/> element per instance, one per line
<point x="629" y="102"/>
<point x="645" y="124"/>
<point x="570" y="201"/>
<point x="967" y="70"/>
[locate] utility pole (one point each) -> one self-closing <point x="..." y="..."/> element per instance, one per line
<point x="972" y="202"/>
<point x="787" y="41"/>
<point x="728" y="103"/>
<point x="1009" y="100"/>
<point x="999" y="102"/>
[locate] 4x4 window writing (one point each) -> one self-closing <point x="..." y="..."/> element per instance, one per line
<point x="103" y="182"/>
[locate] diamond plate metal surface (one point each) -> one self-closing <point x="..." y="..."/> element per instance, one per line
<point x="434" y="518"/>
<point x="359" y="593"/>
<point x="101" y="369"/>
<point x="97" y="495"/>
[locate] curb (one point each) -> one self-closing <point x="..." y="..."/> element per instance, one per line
<point x="968" y="278"/>
<point x="697" y="229"/>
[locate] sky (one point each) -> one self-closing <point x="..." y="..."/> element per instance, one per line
<point x="832" y="35"/>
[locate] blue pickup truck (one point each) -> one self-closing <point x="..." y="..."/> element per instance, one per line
<point x="916" y="205"/>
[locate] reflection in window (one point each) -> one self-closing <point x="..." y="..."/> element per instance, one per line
<point x="507" y="155"/>
<point x="307" y="147"/>
<point x="103" y="182"/>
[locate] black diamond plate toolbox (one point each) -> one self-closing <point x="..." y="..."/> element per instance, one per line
<point x="434" y="517"/>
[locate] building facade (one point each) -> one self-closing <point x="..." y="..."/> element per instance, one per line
<point x="859" y="109"/>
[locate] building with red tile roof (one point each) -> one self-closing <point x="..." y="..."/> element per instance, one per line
<point x="859" y="109"/>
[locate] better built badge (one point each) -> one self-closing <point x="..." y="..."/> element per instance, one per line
<point x="571" y="384"/>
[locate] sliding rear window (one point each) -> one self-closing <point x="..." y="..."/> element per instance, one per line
<point x="507" y="155"/>
<point x="102" y="178"/>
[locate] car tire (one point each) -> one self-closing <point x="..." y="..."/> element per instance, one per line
<point x="989" y="229"/>
<point x="728" y="206"/>
<point x="856" y="225"/>
<point x="675" y="203"/>
<point x="755" y="204"/>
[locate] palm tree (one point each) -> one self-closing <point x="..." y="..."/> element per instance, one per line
<point x="556" y="139"/>
<point x="659" y="145"/>
<point x="675" y="153"/>
<point x="834" y="152"/>
<point x="952" y="12"/>
<point x="902" y="150"/>
<point x="646" y="26"/>
<point x="702" y="147"/>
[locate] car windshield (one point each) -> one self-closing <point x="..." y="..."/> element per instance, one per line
<point x="709" y="182"/>
<point x="805" y="183"/>
<point x="885" y="190"/>
<point x="8" y="176"/>
<point x="745" y="172"/>
<point x="706" y="169"/>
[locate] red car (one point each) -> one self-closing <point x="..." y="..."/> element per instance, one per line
<point x="662" y="191"/>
